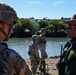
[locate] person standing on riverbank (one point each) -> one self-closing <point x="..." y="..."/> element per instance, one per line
<point x="11" y="63"/>
<point x="34" y="54"/>
<point x="42" y="43"/>
<point x="69" y="56"/>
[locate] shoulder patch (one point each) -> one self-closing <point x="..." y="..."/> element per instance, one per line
<point x="23" y="69"/>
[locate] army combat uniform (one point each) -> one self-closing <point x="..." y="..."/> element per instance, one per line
<point x="34" y="56"/>
<point x="11" y="62"/>
<point x="68" y="57"/>
<point x="67" y="64"/>
<point x="42" y="46"/>
<point x="70" y="67"/>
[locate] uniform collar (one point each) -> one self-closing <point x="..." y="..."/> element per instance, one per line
<point x="2" y="46"/>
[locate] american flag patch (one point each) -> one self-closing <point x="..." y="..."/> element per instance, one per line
<point x="23" y="69"/>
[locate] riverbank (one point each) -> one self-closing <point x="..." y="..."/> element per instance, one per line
<point x="50" y="65"/>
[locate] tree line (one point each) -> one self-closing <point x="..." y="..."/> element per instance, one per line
<point x="26" y="28"/>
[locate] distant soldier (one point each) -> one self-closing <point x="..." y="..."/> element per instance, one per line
<point x="42" y="43"/>
<point x="11" y="63"/>
<point x="34" y="54"/>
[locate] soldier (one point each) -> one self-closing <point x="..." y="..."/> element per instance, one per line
<point x="70" y="68"/>
<point x="11" y="63"/>
<point x="42" y="43"/>
<point x="34" y="54"/>
<point x="69" y="55"/>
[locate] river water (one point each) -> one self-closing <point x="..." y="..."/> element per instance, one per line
<point x="21" y="45"/>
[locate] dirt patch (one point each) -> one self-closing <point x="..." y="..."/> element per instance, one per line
<point x="50" y="65"/>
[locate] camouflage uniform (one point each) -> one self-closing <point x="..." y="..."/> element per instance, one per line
<point x="11" y="63"/>
<point x="34" y="56"/>
<point x="67" y="62"/>
<point x="70" y="67"/>
<point x="42" y="45"/>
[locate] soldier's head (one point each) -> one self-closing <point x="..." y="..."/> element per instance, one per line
<point x="8" y="19"/>
<point x="71" y="28"/>
<point x="35" y="38"/>
<point x="43" y="31"/>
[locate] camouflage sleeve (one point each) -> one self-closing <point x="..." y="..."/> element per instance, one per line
<point x="24" y="70"/>
<point x="21" y="66"/>
<point x="28" y="71"/>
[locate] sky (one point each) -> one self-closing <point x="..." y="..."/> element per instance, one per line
<point x="39" y="9"/>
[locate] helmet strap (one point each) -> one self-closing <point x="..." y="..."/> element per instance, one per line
<point x="5" y="33"/>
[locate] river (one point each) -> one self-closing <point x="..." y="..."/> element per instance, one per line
<point x="21" y="45"/>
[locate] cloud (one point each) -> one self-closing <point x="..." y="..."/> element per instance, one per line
<point x="57" y="3"/>
<point x="34" y="2"/>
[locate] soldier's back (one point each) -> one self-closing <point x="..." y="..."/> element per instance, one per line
<point x="11" y="63"/>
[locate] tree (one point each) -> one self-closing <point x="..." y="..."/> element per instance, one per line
<point x="43" y="23"/>
<point x="34" y="27"/>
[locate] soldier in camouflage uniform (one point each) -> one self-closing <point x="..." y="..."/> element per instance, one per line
<point x="70" y="68"/>
<point x="11" y="63"/>
<point x="69" y="54"/>
<point x="42" y="43"/>
<point x="34" y="54"/>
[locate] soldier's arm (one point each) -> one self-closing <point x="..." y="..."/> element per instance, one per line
<point x="28" y="71"/>
<point x="25" y="69"/>
<point x="21" y="66"/>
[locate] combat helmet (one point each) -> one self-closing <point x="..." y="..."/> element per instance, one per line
<point x="43" y="29"/>
<point x="34" y="37"/>
<point x="8" y="14"/>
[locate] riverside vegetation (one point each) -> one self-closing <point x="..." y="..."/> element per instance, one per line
<point x="26" y="28"/>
